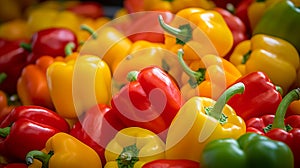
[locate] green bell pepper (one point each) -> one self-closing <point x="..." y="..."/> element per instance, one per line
<point x="250" y="150"/>
<point x="281" y="20"/>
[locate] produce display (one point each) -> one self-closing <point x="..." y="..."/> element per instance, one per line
<point x="149" y="84"/>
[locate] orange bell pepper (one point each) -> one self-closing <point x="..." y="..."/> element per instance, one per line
<point x="32" y="86"/>
<point x="14" y="30"/>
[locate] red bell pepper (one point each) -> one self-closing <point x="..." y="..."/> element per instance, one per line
<point x="150" y="100"/>
<point x="132" y="6"/>
<point x="96" y="128"/>
<point x="90" y="9"/>
<point x="224" y="3"/>
<point x="241" y="11"/>
<point x="14" y="165"/>
<point x="28" y="128"/>
<point x="237" y="27"/>
<point x="165" y="163"/>
<point x="260" y="97"/>
<point x="12" y="61"/>
<point x="50" y="41"/>
<point x="279" y="128"/>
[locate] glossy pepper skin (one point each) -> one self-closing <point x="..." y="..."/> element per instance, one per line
<point x="137" y="102"/>
<point x="13" y="59"/>
<point x="260" y="97"/>
<point x="249" y="150"/>
<point x="271" y="55"/>
<point x="70" y="95"/>
<point x="279" y="127"/>
<point x="165" y="163"/>
<point x="133" y="147"/>
<point x="201" y="120"/>
<point x="283" y="15"/>
<point x="90" y="9"/>
<point x="64" y="150"/>
<point x="96" y="128"/>
<point x="27" y="128"/>
<point x="191" y="26"/>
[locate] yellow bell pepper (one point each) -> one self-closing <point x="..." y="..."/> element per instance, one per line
<point x="274" y="56"/>
<point x="133" y="147"/>
<point x="176" y="5"/>
<point x="64" y="150"/>
<point x="198" y="31"/>
<point x="79" y="84"/>
<point x="201" y="120"/>
<point x="14" y="30"/>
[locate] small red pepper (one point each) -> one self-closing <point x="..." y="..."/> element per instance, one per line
<point x="260" y="97"/>
<point x="96" y="128"/>
<point x="14" y="165"/>
<point x="165" y="163"/>
<point x="150" y="100"/>
<point x="279" y="128"/>
<point x="241" y="11"/>
<point x="28" y="128"/>
<point x="90" y="9"/>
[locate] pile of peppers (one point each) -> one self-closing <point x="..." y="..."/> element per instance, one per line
<point x="156" y="84"/>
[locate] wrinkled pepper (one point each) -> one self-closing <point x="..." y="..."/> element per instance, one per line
<point x="284" y="14"/>
<point x="212" y="75"/>
<point x="64" y="150"/>
<point x="26" y="128"/>
<point x="271" y="55"/>
<point x="150" y="100"/>
<point x="133" y="147"/>
<point x="279" y="127"/>
<point x="77" y="85"/>
<point x="196" y="27"/>
<point x="201" y="120"/>
<point x="32" y="86"/>
<point x="260" y="97"/>
<point x="165" y="163"/>
<point x="249" y="150"/>
<point x="96" y="128"/>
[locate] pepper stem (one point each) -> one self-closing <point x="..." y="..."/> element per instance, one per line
<point x="39" y="155"/>
<point x="132" y="76"/>
<point x="4" y="132"/>
<point x="90" y="30"/>
<point x="195" y="77"/>
<point x="3" y="76"/>
<point x="281" y="110"/>
<point x="183" y="34"/>
<point x="217" y="109"/>
<point x="128" y="157"/>
<point x="69" y="48"/>
<point x="26" y="46"/>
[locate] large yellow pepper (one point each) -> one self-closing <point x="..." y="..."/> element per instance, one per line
<point x="274" y="56"/>
<point x="14" y="30"/>
<point x="176" y="5"/>
<point x="133" y="147"/>
<point x="198" y="31"/>
<point x="79" y="84"/>
<point x="201" y="120"/>
<point x="64" y="150"/>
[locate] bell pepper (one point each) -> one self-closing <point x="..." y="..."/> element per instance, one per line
<point x="165" y="163"/>
<point x="14" y="165"/>
<point x="13" y="59"/>
<point x="201" y="120"/>
<point x="32" y="86"/>
<point x="283" y="15"/>
<point x="279" y="127"/>
<point x="212" y="76"/>
<point x="150" y="100"/>
<point x="64" y="150"/>
<point x="77" y="85"/>
<point x="224" y="3"/>
<point x="26" y="128"/>
<point x="249" y="150"/>
<point x="112" y="47"/>
<point x="271" y="55"/>
<point x="14" y="30"/>
<point x="260" y="97"/>
<point x="133" y="147"/>
<point x="90" y="9"/>
<point x="51" y="41"/>
<point x="241" y="11"/>
<point x="97" y="127"/>
<point x="195" y="29"/>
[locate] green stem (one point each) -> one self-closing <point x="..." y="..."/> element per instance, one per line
<point x="195" y="77"/>
<point x="183" y="34"/>
<point x="4" y="132"/>
<point x="217" y="109"/>
<point x="26" y="46"/>
<point x="132" y="76"/>
<point x="128" y="157"/>
<point x="279" y="89"/>
<point x="246" y="57"/>
<point x="3" y="76"/>
<point x="281" y="110"/>
<point x="39" y="155"/>
<point x="90" y="30"/>
<point x="69" y="48"/>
